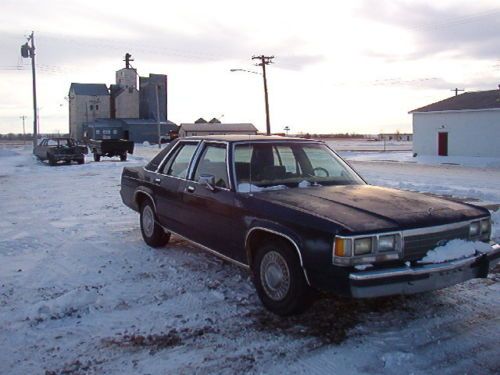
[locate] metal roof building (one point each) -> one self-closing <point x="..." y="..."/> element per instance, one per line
<point x="463" y="125"/>
<point x="138" y="130"/>
<point x="187" y="130"/>
<point x="89" y="89"/>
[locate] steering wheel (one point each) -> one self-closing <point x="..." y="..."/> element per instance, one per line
<point x="322" y="170"/>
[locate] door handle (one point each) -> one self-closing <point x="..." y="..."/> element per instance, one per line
<point x="190" y="189"/>
<point x="157" y="181"/>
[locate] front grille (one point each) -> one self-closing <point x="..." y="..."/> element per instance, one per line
<point x="417" y="246"/>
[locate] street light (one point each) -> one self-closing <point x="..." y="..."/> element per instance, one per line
<point x="244" y="70"/>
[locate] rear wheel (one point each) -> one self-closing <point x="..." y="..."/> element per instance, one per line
<point x="81" y="160"/>
<point x="152" y="233"/>
<point x="123" y="156"/>
<point x="280" y="280"/>
<point x="97" y="157"/>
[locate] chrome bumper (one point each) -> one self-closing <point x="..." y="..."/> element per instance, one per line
<point x="409" y="280"/>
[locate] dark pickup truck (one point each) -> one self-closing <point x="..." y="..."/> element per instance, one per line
<point x="60" y="149"/>
<point x="301" y="219"/>
<point x="110" y="148"/>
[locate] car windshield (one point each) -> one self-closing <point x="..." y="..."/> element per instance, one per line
<point x="265" y="166"/>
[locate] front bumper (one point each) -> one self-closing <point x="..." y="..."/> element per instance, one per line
<point x="410" y="280"/>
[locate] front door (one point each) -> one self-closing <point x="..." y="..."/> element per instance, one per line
<point x="443" y="144"/>
<point x="211" y="213"/>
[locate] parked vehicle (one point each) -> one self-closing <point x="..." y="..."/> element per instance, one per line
<point x="60" y="149"/>
<point x="301" y="219"/>
<point x="110" y="148"/>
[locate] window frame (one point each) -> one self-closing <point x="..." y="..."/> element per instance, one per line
<point x="173" y="154"/>
<point x="197" y="158"/>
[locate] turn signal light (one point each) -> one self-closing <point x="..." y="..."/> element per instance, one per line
<point x="342" y="247"/>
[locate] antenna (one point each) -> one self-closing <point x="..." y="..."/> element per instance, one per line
<point x="128" y="59"/>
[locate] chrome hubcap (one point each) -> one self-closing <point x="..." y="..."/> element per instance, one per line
<point x="148" y="221"/>
<point x="275" y="276"/>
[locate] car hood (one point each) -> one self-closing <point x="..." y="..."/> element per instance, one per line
<point x="365" y="208"/>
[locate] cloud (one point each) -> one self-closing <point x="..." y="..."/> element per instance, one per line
<point x="458" y="29"/>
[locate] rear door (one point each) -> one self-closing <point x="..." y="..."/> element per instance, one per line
<point x="169" y="184"/>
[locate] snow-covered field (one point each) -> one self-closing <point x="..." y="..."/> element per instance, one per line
<point x="81" y="293"/>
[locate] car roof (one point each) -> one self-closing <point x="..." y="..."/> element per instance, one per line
<point x="243" y="137"/>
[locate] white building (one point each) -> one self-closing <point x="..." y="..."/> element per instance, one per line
<point x="463" y="125"/>
<point x="208" y="128"/>
<point x="87" y="102"/>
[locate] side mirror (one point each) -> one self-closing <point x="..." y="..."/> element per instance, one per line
<point x="208" y="180"/>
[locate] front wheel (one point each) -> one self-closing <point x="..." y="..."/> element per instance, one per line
<point x="123" y="156"/>
<point x="280" y="280"/>
<point x="152" y="233"/>
<point x="52" y="160"/>
<point x="97" y="157"/>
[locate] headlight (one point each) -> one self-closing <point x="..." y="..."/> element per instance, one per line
<point x="474" y="229"/>
<point x="387" y="243"/>
<point x="363" y="246"/>
<point x="485" y="226"/>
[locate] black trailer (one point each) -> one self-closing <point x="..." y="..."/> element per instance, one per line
<point x="110" y="148"/>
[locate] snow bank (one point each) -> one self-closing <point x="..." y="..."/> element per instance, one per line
<point x="455" y="249"/>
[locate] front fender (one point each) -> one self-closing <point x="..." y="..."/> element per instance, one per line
<point x="280" y="231"/>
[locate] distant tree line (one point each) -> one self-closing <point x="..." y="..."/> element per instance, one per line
<point x="334" y="135"/>
<point x="27" y="136"/>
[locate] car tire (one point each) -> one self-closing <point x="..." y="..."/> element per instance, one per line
<point x="81" y="160"/>
<point x="52" y="160"/>
<point x="280" y="280"/>
<point x="152" y="233"/>
<point x="123" y="157"/>
<point x="97" y="157"/>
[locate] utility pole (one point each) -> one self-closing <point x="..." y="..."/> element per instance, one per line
<point x="29" y="51"/>
<point x="265" y="60"/>
<point x="456" y="89"/>
<point x="23" y="117"/>
<point x="158" y="88"/>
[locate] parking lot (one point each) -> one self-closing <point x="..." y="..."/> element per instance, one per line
<point x="80" y="292"/>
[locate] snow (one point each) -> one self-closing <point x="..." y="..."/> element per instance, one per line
<point x="80" y="292"/>
<point x="495" y="224"/>
<point x="455" y="249"/>
<point x="251" y="188"/>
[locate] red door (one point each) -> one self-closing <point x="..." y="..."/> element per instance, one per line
<point x="443" y="144"/>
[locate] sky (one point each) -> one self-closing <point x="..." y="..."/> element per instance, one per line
<point x="353" y="66"/>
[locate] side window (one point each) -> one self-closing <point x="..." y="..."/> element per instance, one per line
<point x="52" y="142"/>
<point x="213" y="161"/>
<point x="178" y="165"/>
<point x="155" y="162"/>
